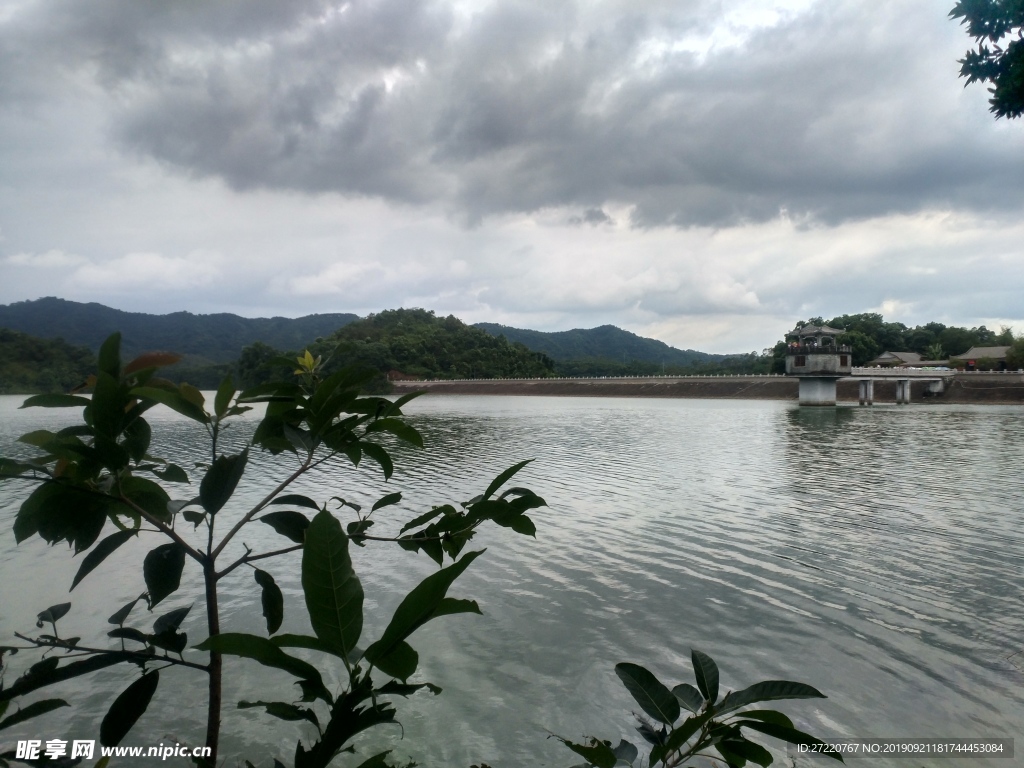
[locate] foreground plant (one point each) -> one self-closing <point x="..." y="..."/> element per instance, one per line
<point x="99" y="476"/>
<point x="713" y="728"/>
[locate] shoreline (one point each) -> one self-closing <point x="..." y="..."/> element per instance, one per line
<point x="995" y="388"/>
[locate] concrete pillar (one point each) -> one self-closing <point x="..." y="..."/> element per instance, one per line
<point x="817" y="391"/>
<point x="902" y="391"/>
<point x="866" y="391"/>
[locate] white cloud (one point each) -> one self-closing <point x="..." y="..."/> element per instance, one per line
<point x="48" y="260"/>
<point x="148" y="272"/>
<point x="277" y="162"/>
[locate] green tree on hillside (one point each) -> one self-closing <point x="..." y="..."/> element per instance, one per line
<point x="415" y="342"/>
<point x="29" y="364"/>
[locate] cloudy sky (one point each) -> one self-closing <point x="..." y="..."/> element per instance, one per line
<point x="705" y="172"/>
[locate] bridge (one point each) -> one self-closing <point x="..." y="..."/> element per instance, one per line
<point x="954" y="386"/>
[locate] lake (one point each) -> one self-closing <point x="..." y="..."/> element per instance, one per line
<point x="875" y="553"/>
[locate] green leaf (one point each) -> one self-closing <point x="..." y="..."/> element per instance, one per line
<point x="399" y="429"/>
<point x="386" y="501"/>
<point x="162" y="571"/>
<point x="32" y="710"/>
<point x="171" y="640"/>
<point x="598" y="753"/>
<point x="100" y="553"/>
<point x="395" y="408"/>
<point x="39" y="438"/>
<point x="137" y="436"/>
<point x="282" y="711"/>
<point x="172" y="473"/>
<point x="273" y="600"/>
<point x="170" y="621"/>
<point x="504" y="477"/>
<point x="288" y="523"/>
<point x="689" y="697"/>
<point x="451" y="605"/>
<point x="106" y="412"/>
<point x="298" y="501"/>
<point x="380" y="455"/>
<point x="377" y="761"/>
<point x="56" y="401"/>
<point x="262" y="650"/>
<point x="305" y="641"/>
<point x="652" y="696"/>
<point x="678" y="736"/>
<point x="109" y="358"/>
<point x="47" y="673"/>
<point x="418" y="607"/>
<point x="626" y="751"/>
<point x="790" y="735"/>
<point x="769" y="690"/>
<point x="221" y="480"/>
<point x="192" y="394"/>
<point x="53" y="614"/>
<point x="395" y="688"/>
<point x="129" y="633"/>
<point x="334" y="596"/>
<point x="747" y="750"/>
<point x="12" y="468"/>
<point x="706" y="671"/>
<point x="174" y="400"/>
<point x="225" y="392"/>
<point x="127" y="708"/>
<point x="767" y="716"/>
<point x="400" y="662"/>
<point x="58" y="512"/>
<point x="122" y="613"/>
<point x="148" y="495"/>
<point x="518" y="523"/>
<point x="426" y="517"/>
<point x="357" y="527"/>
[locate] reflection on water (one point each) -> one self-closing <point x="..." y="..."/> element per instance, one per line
<point x="875" y="553"/>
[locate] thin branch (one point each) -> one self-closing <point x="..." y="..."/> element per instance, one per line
<point x="46" y="476"/>
<point x="248" y="558"/>
<point x="195" y="554"/>
<point x="133" y="655"/>
<point x="307" y="465"/>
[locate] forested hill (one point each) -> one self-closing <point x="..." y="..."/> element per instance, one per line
<point x="605" y="342"/>
<point x="216" y="338"/>
<point x="415" y="342"/>
<point x="29" y="365"/>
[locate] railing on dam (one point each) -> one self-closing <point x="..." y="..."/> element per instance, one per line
<point x="895" y="373"/>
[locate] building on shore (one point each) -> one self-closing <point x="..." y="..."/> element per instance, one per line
<point x="894" y="359"/>
<point x="983" y="358"/>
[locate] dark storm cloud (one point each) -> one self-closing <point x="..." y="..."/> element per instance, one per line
<point x="837" y="113"/>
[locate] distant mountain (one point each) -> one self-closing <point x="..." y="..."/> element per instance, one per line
<point x="203" y="339"/>
<point x="606" y="342"/>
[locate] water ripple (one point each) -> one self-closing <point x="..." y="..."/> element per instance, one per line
<point x="874" y="553"/>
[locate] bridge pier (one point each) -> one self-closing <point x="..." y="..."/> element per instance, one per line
<point x="902" y="391"/>
<point x="867" y="391"/>
<point x="817" y="390"/>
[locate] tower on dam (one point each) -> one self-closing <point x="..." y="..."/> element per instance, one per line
<point x="815" y="356"/>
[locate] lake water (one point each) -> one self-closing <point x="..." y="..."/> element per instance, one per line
<point x="875" y="553"/>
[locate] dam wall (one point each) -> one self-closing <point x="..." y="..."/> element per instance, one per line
<point x="959" y="388"/>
